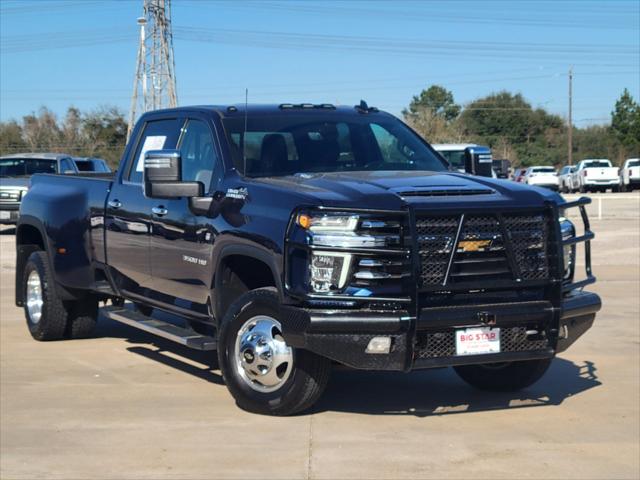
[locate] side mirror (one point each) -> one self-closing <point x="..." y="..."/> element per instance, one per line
<point x="478" y="161"/>
<point x="163" y="176"/>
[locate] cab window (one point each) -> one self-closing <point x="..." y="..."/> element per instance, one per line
<point x="198" y="153"/>
<point x="157" y="135"/>
<point x="66" y="166"/>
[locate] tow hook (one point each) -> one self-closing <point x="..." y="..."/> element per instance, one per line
<point x="487" y="318"/>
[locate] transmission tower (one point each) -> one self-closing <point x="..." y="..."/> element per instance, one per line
<point x="154" y="85"/>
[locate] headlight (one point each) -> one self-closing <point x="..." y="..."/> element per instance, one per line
<point x="328" y="223"/>
<point x="339" y="230"/>
<point x="329" y="271"/>
<point x="567" y="230"/>
<point x="343" y="244"/>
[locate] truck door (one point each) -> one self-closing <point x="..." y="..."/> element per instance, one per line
<point x="181" y="242"/>
<point x="128" y="213"/>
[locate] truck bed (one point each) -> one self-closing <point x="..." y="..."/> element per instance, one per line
<point x="74" y="207"/>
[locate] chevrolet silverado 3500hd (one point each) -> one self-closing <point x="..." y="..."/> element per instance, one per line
<point x="291" y="237"/>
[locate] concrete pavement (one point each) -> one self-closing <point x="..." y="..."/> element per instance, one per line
<point x="128" y="405"/>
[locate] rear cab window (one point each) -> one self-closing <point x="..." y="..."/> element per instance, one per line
<point x="597" y="164"/>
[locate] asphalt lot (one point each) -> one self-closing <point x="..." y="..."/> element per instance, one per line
<point x="127" y="405"/>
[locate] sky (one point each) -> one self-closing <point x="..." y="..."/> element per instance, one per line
<point x="58" y="53"/>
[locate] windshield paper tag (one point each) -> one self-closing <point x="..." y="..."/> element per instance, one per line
<point x="150" y="143"/>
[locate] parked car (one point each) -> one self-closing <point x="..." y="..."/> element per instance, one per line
<point x="502" y="168"/>
<point x="289" y="237"/>
<point x="90" y="164"/>
<point x="455" y="154"/>
<point x="518" y="175"/>
<point x="541" y="177"/>
<point x="15" y="171"/>
<point x="565" y="179"/>
<point x="592" y="175"/>
<point x="630" y="174"/>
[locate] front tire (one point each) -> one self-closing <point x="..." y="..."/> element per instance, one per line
<point x="261" y="371"/>
<point x="503" y="377"/>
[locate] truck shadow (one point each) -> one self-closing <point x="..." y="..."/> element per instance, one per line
<point x="421" y="393"/>
<point x="440" y="392"/>
<point x="194" y="362"/>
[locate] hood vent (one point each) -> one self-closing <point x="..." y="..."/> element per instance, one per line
<point x="446" y="192"/>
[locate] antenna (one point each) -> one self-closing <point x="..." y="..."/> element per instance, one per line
<point x="244" y="135"/>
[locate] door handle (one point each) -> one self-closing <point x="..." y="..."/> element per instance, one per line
<point x="160" y="211"/>
<point x="115" y="204"/>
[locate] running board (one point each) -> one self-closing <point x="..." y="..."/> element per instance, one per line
<point x="184" y="336"/>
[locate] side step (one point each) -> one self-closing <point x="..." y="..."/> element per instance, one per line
<point x="184" y="336"/>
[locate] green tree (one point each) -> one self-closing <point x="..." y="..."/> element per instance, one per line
<point x="11" y="138"/>
<point x="507" y="121"/>
<point x="435" y="99"/>
<point x="625" y="121"/>
<point x="105" y="130"/>
<point x="433" y="128"/>
<point x="71" y="129"/>
<point x="41" y="132"/>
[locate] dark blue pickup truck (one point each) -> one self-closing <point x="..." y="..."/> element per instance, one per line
<point x="291" y="237"/>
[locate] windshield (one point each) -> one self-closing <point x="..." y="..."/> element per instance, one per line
<point x="285" y="144"/>
<point x="597" y="164"/>
<point x="20" y="167"/>
<point x="454" y="157"/>
<point x="634" y="163"/>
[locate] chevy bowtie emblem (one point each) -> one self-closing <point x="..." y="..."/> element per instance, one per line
<point x="473" y="245"/>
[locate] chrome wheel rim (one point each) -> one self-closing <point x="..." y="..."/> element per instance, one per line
<point x="34" y="297"/>
<point x="262" y="358"/>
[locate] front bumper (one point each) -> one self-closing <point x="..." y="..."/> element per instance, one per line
<point x="425" y="341"/>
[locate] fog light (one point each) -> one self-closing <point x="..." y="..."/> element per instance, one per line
<point x="329" y="271"/>
<point x="379" y="345"/>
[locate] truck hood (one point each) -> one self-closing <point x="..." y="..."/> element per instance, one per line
<point x="394" y="190"/>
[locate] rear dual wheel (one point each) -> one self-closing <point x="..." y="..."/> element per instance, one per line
<point x="49" y="317"/>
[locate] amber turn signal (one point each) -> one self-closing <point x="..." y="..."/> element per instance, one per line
<point x="304" y="221"/>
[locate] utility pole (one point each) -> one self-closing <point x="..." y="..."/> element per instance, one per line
<point x="570" y="126"/>
<point x="154" y="85"/>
